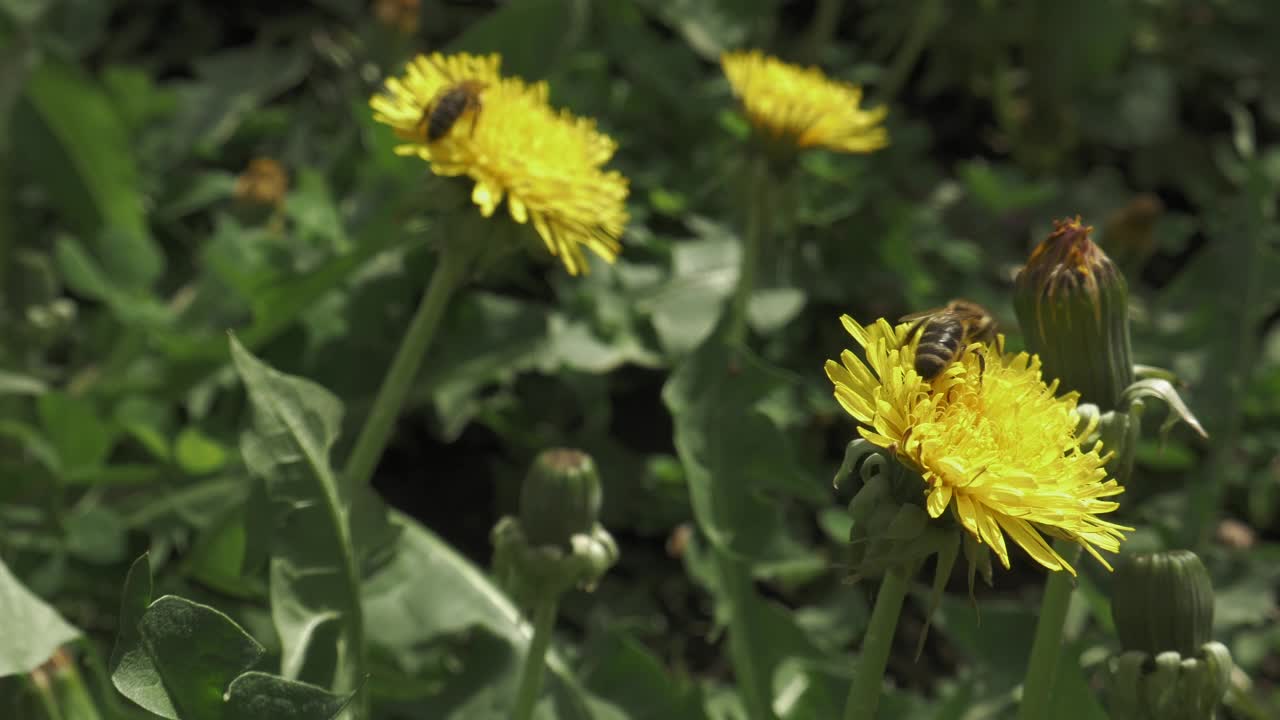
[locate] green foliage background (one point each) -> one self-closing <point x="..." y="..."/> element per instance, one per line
<point x="125" y="258"/>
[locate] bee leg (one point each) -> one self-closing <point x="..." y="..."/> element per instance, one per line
<point x="982" y="365"/>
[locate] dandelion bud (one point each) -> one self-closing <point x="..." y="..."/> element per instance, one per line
<point x="1168" y="686"/>
<point x="264" y="182"/>
<point x="1162" y="601"/>
<point x="561" y="497"/>
<point x="1072" y="304"/>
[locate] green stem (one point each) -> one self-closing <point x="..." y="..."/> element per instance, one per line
<point x="868" y="675"/>
<point x="544" y="619"/>
<point x="735" y="582"/>
<point x="1037" y="686"/>
<point x="373" y="437"/>
<point x="757" y="216"/>
<point x="72" y="695"/>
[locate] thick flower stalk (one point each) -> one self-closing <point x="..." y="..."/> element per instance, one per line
<point x="802" y="107"/>
<point x="547" y="165"/>
<point x="991" y="441"/>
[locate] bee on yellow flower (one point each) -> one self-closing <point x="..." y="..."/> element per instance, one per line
<point x="459" y="114"/>
<point x="991" y="441"/>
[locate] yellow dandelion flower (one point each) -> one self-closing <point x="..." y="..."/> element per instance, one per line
<point x="547" y="165"/>
<point x="802" y="106"/>
<point x="989" y="438"/>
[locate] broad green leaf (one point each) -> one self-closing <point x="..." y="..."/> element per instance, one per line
<point x="317" y="220"/>
<point x="439" y="619"/>
<point x="260" y="696"/>
<point x="775" y="656"/>
<point x="80" y="436"/>
<point x="74" y="143"/>
<point x="313" y="570"/>
<point x="95" y="534"/>
<point x="197" y="453"/>
<point x="33" y="629"/>
<point x="627" y="673"/>
<point x="703" y="274"/>
<point x="133" y="671"/>
<point x="171" y="628"/>
<point x="736" y="458"/>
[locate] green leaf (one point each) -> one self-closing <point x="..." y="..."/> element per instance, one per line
<point x="313" y="570"/>
<point x="76" y="146"/>
<point x="777" y="655"/>
<point x="626" y="672"/>
<point x="735" y="457"/>
<point x="171" y="628"/>
<point x="197" y="453"/>
<point x="133" y="672"/>
<point x="12" y="383"/>
<point x="259" y="696"/>
<point x="439" y="620"/>
<point x="81" y="438"/>
<point x="33" y="629"/>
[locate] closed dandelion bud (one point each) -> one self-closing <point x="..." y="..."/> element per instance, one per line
<point x="1162" y="602"/>
<point x="1072" y="304"/>
<point x="560" y="498"/>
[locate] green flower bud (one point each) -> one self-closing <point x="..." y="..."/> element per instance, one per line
<point x="1162" y="602"/>
<point x="560" y="498"/>
<point x="1072" y="304"/>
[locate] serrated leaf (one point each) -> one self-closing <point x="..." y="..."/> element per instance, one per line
<point x="33" y="629"/>
<point x="313" y="568"/>
<point x="260" y="696"/>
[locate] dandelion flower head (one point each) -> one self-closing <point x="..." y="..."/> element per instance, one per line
<point x="990" y="440"/>
<point x="802" y="106"/>
<point x="547" y="165"/>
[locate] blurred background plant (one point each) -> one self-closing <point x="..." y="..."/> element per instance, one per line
<point x="171" y="171"/>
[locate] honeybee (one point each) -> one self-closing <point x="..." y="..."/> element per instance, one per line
<point x="448" y="106"/>
<point x="945" y="332"/>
